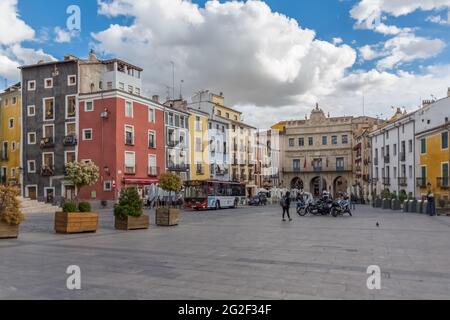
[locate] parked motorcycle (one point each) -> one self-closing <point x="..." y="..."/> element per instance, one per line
<point x="341" y="207"/>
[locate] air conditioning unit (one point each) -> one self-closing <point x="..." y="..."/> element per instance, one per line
<point x="104" y="114"/>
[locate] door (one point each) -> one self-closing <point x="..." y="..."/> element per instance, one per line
<point x="69" y="193"/>
<point x="32" y="193"/>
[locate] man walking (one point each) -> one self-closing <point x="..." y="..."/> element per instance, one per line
<point x="286" y="205"/>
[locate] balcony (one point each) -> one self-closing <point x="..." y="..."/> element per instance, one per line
<point x="403" y="182"/>
<point x="70" y="141"/>
<point x="317" y="169"/>
<point x="178" y="167"/>
<point x="443" y="183"/>
<point x="387" y="181"/>
<point x="374" y="181"/>
<point x="402" y="156"/>
<point x="130" y="170"/>
<point x="341" y="169"/>
<point x="129" y="141"/>
<point x="221" y="172"/>
<point x="47" y="143"/>
<point x="173" y="144"/>
<point x="387" y="159"/>
<point x="422" y="182"/>
<point x="47" y="171"/>
<point x="291" y="170"/>
<point x="153" y="171"/>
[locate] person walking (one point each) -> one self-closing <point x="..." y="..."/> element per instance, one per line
<point x="286" y="205"/>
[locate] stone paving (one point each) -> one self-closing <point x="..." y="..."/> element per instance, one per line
<point x="247" y="253"/>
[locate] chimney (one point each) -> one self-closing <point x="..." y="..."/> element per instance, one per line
<point x="448" y="92"/>
<point x="155" y="98"/>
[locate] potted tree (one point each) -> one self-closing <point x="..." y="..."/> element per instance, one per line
<point x="128" y="212"/>
<point x="77" y="217"/>
<point x="169" y="215"/>
<point x="10" y="215"/>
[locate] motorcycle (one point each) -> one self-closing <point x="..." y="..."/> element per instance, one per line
<point x="341" y="207"/>
<point x="319" y="207"/>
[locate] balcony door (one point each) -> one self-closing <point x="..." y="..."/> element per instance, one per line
<point x="48" y="160"/>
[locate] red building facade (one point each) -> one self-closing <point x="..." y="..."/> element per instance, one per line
<point x="123" y="134"/>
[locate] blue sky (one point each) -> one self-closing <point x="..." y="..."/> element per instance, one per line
<point x="328" y="18"/>
<point x="392" y="52"/>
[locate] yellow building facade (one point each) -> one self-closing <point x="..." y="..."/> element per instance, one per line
<point x="199" y="153"/>
<point x="434" y="161"/>
<point x="10" y="133"/>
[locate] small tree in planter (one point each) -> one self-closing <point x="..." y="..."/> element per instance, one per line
<point x="76" y="217"/>
<point x="128" y="212"/>
<point x="169" y="216"/>
<point x="10" y="215"/>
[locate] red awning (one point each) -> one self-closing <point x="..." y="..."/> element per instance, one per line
<point x="140" y="181"/>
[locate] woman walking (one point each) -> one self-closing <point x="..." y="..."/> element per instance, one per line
<point x="286" y="205"/>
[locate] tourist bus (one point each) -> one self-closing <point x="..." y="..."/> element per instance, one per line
<point x="212" y="194"/>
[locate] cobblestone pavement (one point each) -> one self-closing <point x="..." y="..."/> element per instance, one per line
<point x="247" y="253"/>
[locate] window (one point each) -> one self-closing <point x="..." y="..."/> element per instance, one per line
<point x="423" y="146"/>
<point x="445" y="171"/>
<point x="88" y="106"/>
<point x="301" y="142"/>
<point x="324" y="140"/>
<point x="410" y="146"/>
<point x="71" y="129"/>
<point x="69" y="157"/>
<point x="129" y="109"/>
<point x="291" y="142"/>
<point x="130" y="89"/>
<point x="31" y="85"/>
<point x="13" y="146"/>
<point x="344" y="139"/>
<point x="121" y="86"/>
<point x="31" y="137"/>
<point x="151" y="115"/>
<point x="334" y="140"/>
<point x="107" y="186"/>
<point x="48" y="83"/>
<point x="339" y="164"/>
<point x="152" y="139"/>
<point x="410" y="172"/>
<point x="395" y="150"/>
<point x="227" y="115"/>
<point x="424" y="173"/>
<point x="31" y="111"/>
<point x="31" y="164"/>
<point x="48" y="160"/>
<point x="130" y="164"/>
<point x="296" y="165"/>
<point x="395" y="172"/>
<point x="152" y="169"/>
<point x="71" y="107"/>
<point x="14" y="100"/>
<point x="137" y="91"/>
<point x="49" y="131"/>
<point x="219" y="113"/>
<point x="444" y="140"/>
<point x="72" y="80"/>
<point x="87" y="134"/>
<point x="311" y="141"/>
<point x="129" y="135"/>
<point x="198" y="145"/>
<point x="198" y="124"/>
<point x="387" y="135"/>
<point x="49" y="109"/>
<point x="11" y="123"/>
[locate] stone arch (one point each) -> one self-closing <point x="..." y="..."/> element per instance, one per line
<point x="297" y="183"/>
<point x="340" y="185"/>
<point x="317" y="186"/>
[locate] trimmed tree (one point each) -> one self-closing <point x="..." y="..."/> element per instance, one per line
<point x="9" y="206"/>
<point x="130" y="204"/>
<point x="170" y="182"/>
<point x="82" y="174"/>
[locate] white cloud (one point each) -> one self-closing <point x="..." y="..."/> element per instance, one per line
<point x="13" y="31"/>
<point x="64" y="36"/>
<point x="253" y="55"/>
<point x="12" y="28"/>
<point x="440" y="20"/>
<point x="368" y="13"/>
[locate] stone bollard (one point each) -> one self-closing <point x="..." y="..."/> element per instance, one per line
<point x="386" y="204"/>
<point x="395" y="205"/>
<point x="412" y="205"/>
<point x="419" y="206"/>
<point x="405" y="206"/>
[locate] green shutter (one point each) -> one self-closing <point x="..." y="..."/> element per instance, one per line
<point x="444" y="140"/>
<point x="424" y="146"/>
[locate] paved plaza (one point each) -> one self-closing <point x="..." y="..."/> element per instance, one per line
<point x="247" y="253"/>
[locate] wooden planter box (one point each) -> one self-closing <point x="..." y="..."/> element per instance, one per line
<point x="8" y="232"/>
<point x="132" y="223"/>
<point x="167" y="217"/>
<point x="76" y="222"/>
